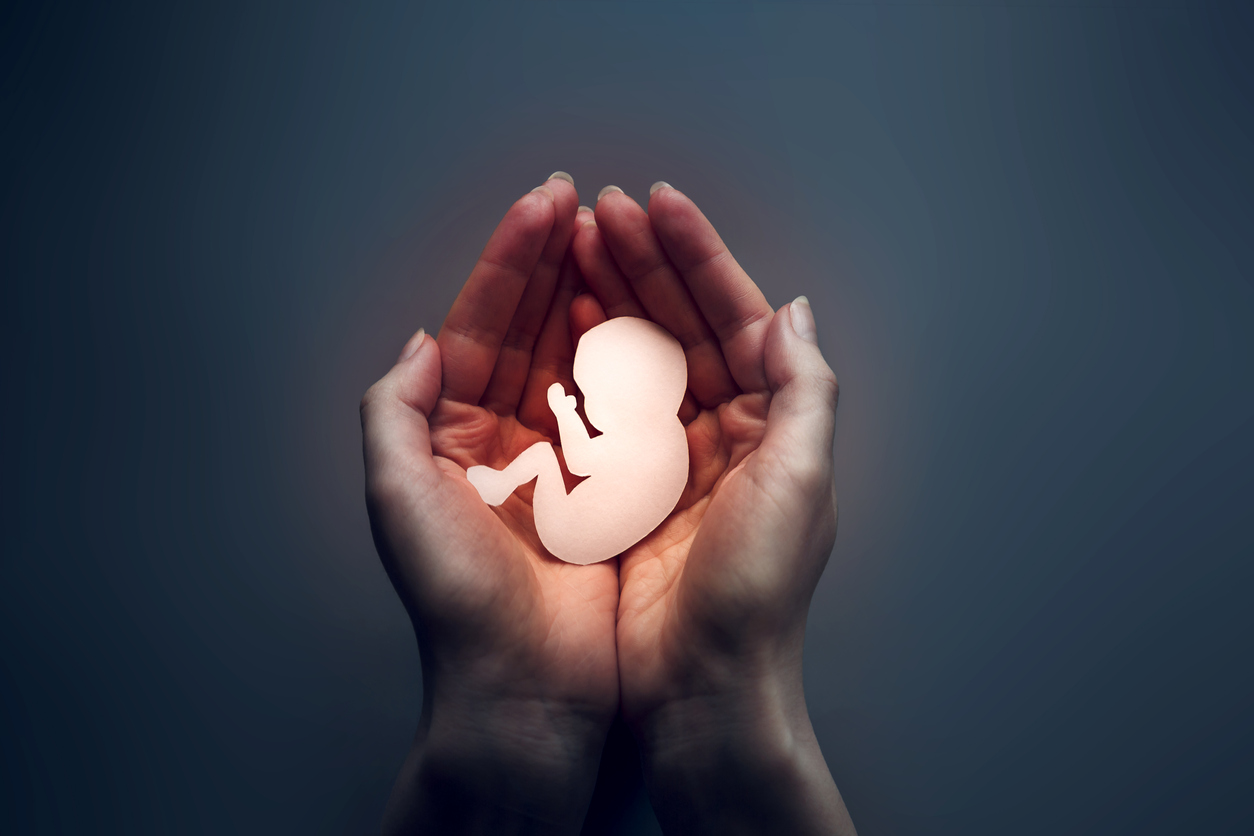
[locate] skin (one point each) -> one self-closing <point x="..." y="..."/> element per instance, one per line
<point x="695" y="634"/>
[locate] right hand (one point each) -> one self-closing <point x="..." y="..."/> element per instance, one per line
<point x="712" y="607"/>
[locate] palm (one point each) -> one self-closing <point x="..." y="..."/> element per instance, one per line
<point x="690" y="582"/>
<point x="527" y="652"/>
<point x="485" y="595"/>
<point x="671" y="587"/>
<point x="559" y="617"/>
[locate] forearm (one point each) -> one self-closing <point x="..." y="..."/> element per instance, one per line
<point x="497" y="766"/>
<point x="576" y="443"/>
<point x="740" y="756"/>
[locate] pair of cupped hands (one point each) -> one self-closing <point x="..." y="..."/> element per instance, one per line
<point x="695" y="633"/>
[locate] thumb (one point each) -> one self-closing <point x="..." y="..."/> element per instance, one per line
<point x="396" y="438"/>
<point x="802" y="416"/>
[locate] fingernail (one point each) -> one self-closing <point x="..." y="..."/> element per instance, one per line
<point x="803" y="320"/>
<point x="606" y="191"/>
<point x="544" y="190"/>
<point x="412" y="345"/>
<point x="583" y="208"/>
<point x="561" y="175"/>
<point x="660" y="184"/>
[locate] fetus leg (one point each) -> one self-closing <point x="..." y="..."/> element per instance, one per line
<point x="495" y="486"/>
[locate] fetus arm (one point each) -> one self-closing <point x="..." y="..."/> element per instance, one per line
<point x="576" y="445"/>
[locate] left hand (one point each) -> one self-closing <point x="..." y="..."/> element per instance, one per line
<point x="520" y="679"/>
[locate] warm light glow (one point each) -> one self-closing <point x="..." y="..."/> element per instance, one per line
<point x="633" y="375"/>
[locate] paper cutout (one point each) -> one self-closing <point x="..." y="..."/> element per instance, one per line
<point x="633" y="376"/>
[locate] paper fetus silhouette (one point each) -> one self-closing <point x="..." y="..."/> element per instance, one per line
<point x="633" y="376"/>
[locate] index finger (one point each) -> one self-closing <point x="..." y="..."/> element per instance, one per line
<point x="635" y="248"/>
<point x="731" y="303"/>
<point x="470" y="339"/>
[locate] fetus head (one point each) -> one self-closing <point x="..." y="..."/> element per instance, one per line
<point x="629" y="370"/>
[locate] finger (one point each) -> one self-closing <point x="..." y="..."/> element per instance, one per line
<point x="474" y="329"/>
<point x="797" y="445"/>
<point x="586" y="313"/>
<point x="630" y="239"/>
<point x="395" y="434"/>
<point x="554" y="356"/>
<point x="513" y="361"/>
<point x="779" y="502"/>
<point x="602" y="275"/>
<point x="412" y="493"/>
<point x="729" y="300"/>
<point x="611" y="296"/>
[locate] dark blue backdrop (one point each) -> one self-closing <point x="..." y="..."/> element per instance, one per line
<point x="1028" y="235"/>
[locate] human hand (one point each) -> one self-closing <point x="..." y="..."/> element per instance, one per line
<point x="519" y="671"/>
<point x="712" y="606"/>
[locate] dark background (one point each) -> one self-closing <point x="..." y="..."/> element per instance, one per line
<point x="1028" y="236"/>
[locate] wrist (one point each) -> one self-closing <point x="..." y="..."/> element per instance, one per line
<point x="737" y="754"/>
<point x="495" y="764"/>
<point x="728" y="720"/>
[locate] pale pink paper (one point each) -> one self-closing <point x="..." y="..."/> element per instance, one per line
<point x="633" y="375"/>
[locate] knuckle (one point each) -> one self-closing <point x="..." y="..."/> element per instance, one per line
<point x="370" y="395"/>
<point x="373" y="398"/>
<point x="827" y="379"/>
<point x="826" y="386"/>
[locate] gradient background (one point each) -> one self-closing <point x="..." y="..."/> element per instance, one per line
<point x="1028" y="236"/>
